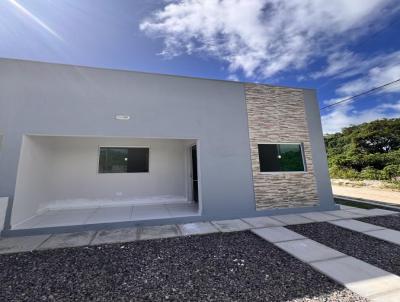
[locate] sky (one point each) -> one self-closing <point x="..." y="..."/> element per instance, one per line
<point x="339" y="47"/>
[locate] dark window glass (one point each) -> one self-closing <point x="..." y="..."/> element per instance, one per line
<point x="280" y="157"/>
<point x="123" y="160"/>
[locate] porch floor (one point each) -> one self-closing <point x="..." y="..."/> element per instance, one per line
<point x="68" y="217"/>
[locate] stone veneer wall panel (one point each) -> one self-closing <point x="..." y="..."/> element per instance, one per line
<point x="277" y="115"/>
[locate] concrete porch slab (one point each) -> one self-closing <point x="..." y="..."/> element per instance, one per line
<point x="110" y="214"/>
<point x="21" y="244"/>
<point x="157" y="232"/>
<point x="144" y="212"/>
<point x="358" y="276"/>
<point x="115" y="236"/>
<point x="67" y="240"/>
<point x="319" y="217"/>
<point x="263" y="222"/>
<point x="292" y="219"/>
<point x="387" y="235"/>
<point x="197" y="228"/>
<point x="356" y="225"/>
<point x="277" y="234"/>
<point x="308" y="250"/>
<point x="232" y="225"/>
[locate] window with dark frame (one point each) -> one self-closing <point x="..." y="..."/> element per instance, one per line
<point x="281" y="157"/>
<point x="123" y="160"/>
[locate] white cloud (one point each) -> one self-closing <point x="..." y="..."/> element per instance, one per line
<point x="334" y="100"/>
<point x="376" y="76"/>
<point x="345" y="115"/>
<point x="341" y="63"/>
<point x="262" y="37"/>
<point x="372" y="71"/>
<point x="233" y="77"/>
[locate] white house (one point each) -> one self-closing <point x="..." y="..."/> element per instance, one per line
<point x="84" y="148"/>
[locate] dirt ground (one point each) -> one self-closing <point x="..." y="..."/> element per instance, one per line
<point x="369" y="193"/>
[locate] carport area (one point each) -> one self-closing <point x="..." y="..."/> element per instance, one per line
<point x="65" y="180"/>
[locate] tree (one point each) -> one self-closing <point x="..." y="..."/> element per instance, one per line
<point x="380" y="136"/>
<point x="366" y="150"/>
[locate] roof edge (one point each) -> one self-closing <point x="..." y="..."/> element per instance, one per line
<point x="149" y="73"/>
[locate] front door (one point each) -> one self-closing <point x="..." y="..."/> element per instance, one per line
<point x="195" y="186"/>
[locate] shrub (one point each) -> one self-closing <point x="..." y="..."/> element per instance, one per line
<point x="372" y="174"/>
<point x="347" y="173"/>
<point x="392" y="171"/>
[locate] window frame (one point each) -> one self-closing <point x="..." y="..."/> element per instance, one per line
<point x="119" y="173"/>
<point x="284" y="172"/>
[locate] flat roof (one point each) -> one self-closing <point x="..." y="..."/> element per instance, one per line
<point x="150" y="73"/>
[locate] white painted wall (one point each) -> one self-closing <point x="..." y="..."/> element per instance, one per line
<point x="3" y="200"/>
<point x="3" y="210"/>
<point x="34" y="179"/>
<point x="64" y="170"/>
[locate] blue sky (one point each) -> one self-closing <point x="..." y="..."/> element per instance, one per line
<point x="339" y="47"/>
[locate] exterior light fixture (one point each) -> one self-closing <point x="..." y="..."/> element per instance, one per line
<point x="121" y="117"/>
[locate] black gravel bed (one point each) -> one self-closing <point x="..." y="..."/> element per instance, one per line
<point x="217" y="267"/>
<point x="377" y="252"/>
<point x="390" y="221"/>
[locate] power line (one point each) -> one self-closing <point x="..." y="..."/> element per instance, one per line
<point x="360" y="94"/>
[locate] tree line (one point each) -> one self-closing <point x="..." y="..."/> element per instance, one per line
<point x="366" y="151"/>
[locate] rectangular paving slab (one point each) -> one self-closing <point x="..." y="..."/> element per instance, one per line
<point x="387" y="235"/>
<point x="197" y="228"/>
<point x="292" y="219"/>
<point x="344" y="207"/>
<point x="21" y="244"/>
<point x="232" y="225"/>
<point x="67" y="240"/>
<point x="114" y="236"/>
<point x="393" y="296"/>
<point x="277" y="234"/>
<point x="363" y="212"/>
<point x="358" y="276"/>
<point x="155" y="232"/>
<point x="262" y="222"/>
<point x="356" y="225"/>
<point x="319" y="216"/>
<point x="378" y="212"/>
<point x="344" y="214"/>
<point x="308" y="250"/>
<point x="387" y="221"/>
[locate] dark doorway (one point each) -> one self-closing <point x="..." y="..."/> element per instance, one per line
<point x="195" y="185"/>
